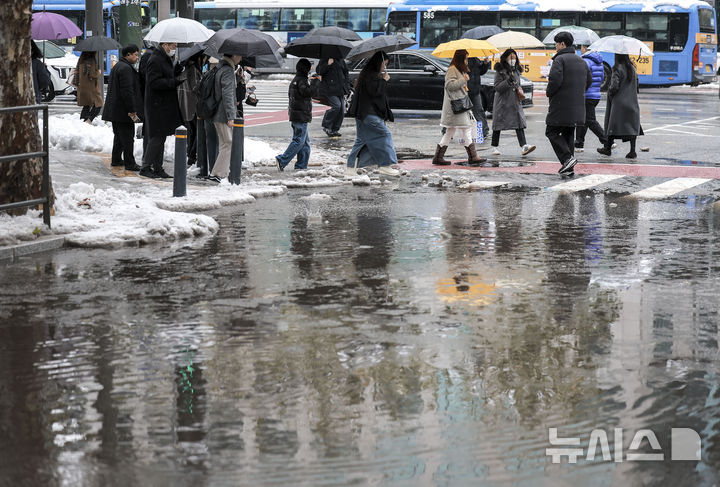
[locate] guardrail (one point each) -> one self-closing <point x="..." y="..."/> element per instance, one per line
<point x="45" y="154"/>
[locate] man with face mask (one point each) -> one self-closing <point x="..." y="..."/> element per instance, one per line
<point x="162" y="110"/>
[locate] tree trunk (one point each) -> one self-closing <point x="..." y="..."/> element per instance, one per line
<point x="19" y="132"/>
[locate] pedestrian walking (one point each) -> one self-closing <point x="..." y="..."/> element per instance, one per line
<point x="162" y="110"/>
<point x="333" y="85"/>
<point x="42" y="82"/>
<point x="89" y="81"/>
<point x="622" y="115"/>
<point x="224" y="117"/>
<point x="124" y="107"/>
<point x="142" y="72"/>
<point x="189" y="79"/>
<point x="244" y="90"/>
<point x="457" y="125"/>
<point x="568" y="81"/>
<point x="508" y="113"/>
<point x="300" y="115"/>
<point x="477" y="69"/>
<point x="594" y="62"/>
<point x="370" y="107"/>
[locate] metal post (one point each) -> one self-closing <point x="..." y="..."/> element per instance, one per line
<point x="202" y="156"/>
<point x="236" y="153"/>
<point x="163" y="12"/>
<point x="180" y="173"/>
<point x="46" y="167"/>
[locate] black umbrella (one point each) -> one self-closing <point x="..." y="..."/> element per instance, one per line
<point x="97" y="43"/>
<point x="335" y="31"/>
<point x="241" y="42"/>
<point x="319" y="47"/>
<point x="391" y="43"/>
<point x="481" y="32"/>
<point x="188" y="52"/>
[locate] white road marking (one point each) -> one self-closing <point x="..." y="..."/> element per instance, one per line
<point x="681" y="124"/>
<point x="586" y="182"/>
<point x="669" y="188"/>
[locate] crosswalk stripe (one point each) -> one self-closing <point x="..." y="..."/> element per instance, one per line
<point x="669" y="188"/>
<point x="586" y="182"/>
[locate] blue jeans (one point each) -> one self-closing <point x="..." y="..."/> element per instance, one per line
<point x="373" y="144"/>
<point x="299" y="145"/>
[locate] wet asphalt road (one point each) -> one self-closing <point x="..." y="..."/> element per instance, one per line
<point x="403" y="335"/>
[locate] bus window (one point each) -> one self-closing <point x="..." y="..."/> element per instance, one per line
<point x="707" y="20"/>
<point x="437" y="27"/>
<point x="552" y="20"/>
<point x="356" y="19"/>
<point x="259" y="18"/>
<point x="404" y="23"/>
<point x="521" y="21"/>
<point x="377" y="19"/>
<point x="603" y="23"/>
<point x="648" y="27"/>
<point x="301" y="19"/>
<point x="468" y="20"/>
<point x="679" y="27"/>
<point x="216" y="18"/>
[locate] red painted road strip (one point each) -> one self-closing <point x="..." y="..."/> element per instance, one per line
<point x="279" y="116"/>
<point x="646" y="170"/>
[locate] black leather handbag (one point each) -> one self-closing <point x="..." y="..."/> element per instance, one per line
<point x="461" y="105"/>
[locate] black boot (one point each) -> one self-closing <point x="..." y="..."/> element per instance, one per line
<point x="439" y="158"/>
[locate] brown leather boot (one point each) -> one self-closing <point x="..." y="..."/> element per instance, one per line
<point x="439" y="159"/>
<point x="472" y="155"/>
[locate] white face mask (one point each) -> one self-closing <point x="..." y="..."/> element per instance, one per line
<point x="171" y="53"/>
<point x="512" y="62"/>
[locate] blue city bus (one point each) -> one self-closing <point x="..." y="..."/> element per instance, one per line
<point x="75" y="11"/>
<point x="682" y="33"/>
<point x="286" y="20"/>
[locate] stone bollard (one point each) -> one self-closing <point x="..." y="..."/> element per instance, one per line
<point x="180" y="172"/>
<point x="237" y="151"/>
<point x="202" y="155"/>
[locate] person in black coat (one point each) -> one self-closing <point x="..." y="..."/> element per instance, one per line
<point x="142" y="72"/>
<point x="333" y="84"/>
<point x="477" y="69"/>
<point x="300" y="115"/>
<point x="124" y="107"/>
<point x="40" y="75"/>
<point x="162" y="110"/>
<point x="568" y="81"/>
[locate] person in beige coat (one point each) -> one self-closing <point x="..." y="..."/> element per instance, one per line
<point x="88" y="79"/>
<point x="457" y="125"/>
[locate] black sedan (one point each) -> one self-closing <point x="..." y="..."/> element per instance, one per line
<point x="417" y="80"/>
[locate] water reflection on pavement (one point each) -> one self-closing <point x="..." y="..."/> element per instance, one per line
<point x="383" y="337"/>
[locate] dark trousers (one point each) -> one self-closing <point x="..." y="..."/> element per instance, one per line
<point x="146" y="138"/>
<point x="89" y="113"/>
<point x="609" y="142"/>
<point x="123" y="143"/>
<point x="561" y="139"/>
<point x="520" y="136"/>
<point x="212" y="143"/>
<point x="333" y="118"/>
<point x="478" y="111"/>
<point x="590" y="123"/>
<point x="191" y="126"/>
<point x="154" y="155"/>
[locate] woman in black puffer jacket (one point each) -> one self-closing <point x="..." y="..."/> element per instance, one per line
<point x="300" y="115"/>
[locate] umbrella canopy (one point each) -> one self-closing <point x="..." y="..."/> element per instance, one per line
<point x="515" y="40"/>
<point x="97" y="43"/>
<point x="621" y="45"/>
<point x="179" y="30"/>
<point x="241" y="42"/>
<point x="582" y="36"/>
<point x="390" y="43"/>
<point x="335" y="31"/>
<point x="47" y="26"/>
<point x="482" y="32"/>
<point x="186" y="53"/>
<point x="474" y="47"/>
<point x="319" y="47"/>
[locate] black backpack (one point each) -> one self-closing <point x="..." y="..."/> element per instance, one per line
<point x="207" y="99"/>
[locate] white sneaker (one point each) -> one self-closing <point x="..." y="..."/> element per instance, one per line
<point x="496" y="151"/>
<point x="351" y="172"/>
<point x="527" y="149"/>
<point x="579" y="149"/>
<point x="389" y="171"/>
<point x="614" y="146"/>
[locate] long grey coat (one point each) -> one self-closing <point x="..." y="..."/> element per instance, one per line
<point x="508" y="113"/>
<point x="187" y="98"/>
<point x="225" y="83"/>
<point x="455" y="84"/>
<point x="622" y="115"/>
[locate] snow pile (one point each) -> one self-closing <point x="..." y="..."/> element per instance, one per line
<point x="94" y="217"/>
<point x="224" y="194"/>
<point x="317" y="197"/>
